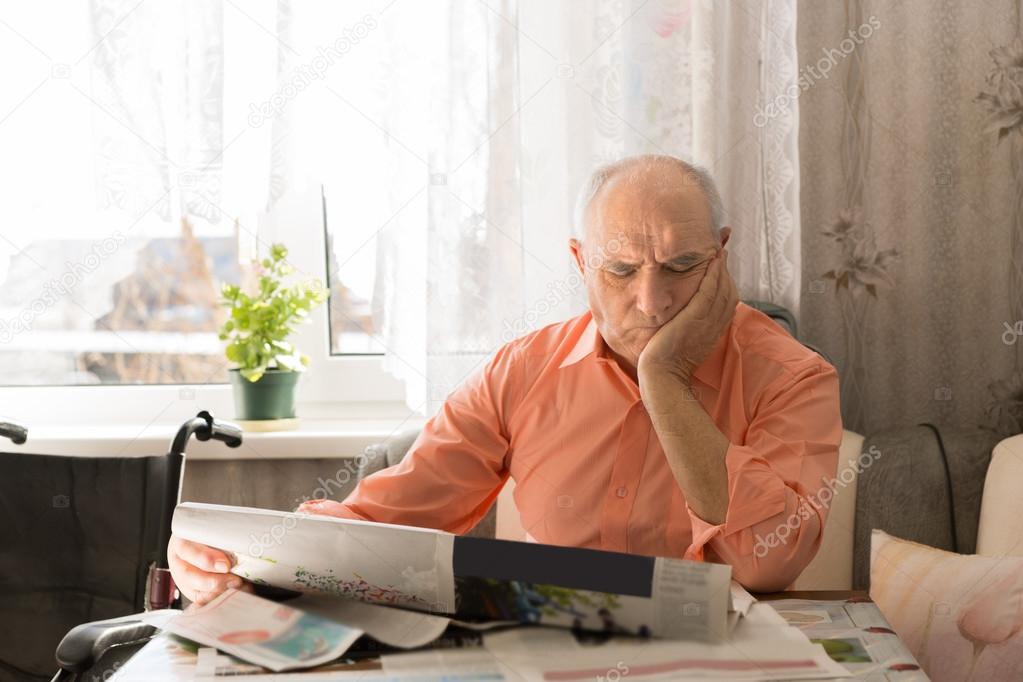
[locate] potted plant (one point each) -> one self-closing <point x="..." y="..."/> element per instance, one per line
<point x="257" y="328"/>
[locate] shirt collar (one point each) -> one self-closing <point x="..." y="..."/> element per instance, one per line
<point x="590" y="342"/>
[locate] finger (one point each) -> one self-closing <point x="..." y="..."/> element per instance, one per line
<point x="728" y="296"/>
<point x="203" y="598"/>
<point x="705" y="295"/>
<point x="307" y="506"/>
<point x="191" y="579"/>
<point x="725" y="299"/>
<point x="207" y="558"/>
<point x="330" y="508"/>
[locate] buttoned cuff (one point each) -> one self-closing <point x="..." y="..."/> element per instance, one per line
<point x="755" y="493"/>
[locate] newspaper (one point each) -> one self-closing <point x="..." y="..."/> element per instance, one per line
<point x="387" y="564"/>
<point x="762" y="647"/>
<point x="473" y="579"/>
<point x="855" y="634"/>
<point x="263" y="632"/>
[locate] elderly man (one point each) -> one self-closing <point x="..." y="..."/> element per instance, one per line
<point x="669" y="420"/>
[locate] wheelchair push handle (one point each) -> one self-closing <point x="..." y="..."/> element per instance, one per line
<point x="16" y="433"/>
<point x="205" y="427"/>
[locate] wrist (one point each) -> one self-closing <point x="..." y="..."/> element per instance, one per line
<point x="663" y="373"/>
<point x="664" y="389"/>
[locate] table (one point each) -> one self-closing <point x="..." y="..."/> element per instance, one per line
<point x="851" y="639"/>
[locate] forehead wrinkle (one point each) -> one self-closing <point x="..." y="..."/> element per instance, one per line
<point x="649" y="209"/>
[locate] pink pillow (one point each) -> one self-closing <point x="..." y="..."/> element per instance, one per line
<point x="960" y="615"/>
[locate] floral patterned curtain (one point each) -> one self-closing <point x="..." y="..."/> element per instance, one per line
<point x="911" y="208"/>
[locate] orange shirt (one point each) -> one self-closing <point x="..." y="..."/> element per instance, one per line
<point x="554" y="411"/>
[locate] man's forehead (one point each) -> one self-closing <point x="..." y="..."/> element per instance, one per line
<point x="651" y="214"/>
<point x="676" y="235"/>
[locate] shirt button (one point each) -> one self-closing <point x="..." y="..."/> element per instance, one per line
<point x="622" y="491"/>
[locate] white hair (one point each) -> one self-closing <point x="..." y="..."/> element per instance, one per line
<point x="690" y="172"/>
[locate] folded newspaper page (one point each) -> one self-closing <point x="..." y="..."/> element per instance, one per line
<point x="854" y="633"/>
<point x="474" y="579"/>
<point x="260" y="631"/>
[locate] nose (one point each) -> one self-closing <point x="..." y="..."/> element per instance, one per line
<point x="653" y="297"/>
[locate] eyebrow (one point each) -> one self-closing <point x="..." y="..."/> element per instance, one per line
<point x="685" y="259"/>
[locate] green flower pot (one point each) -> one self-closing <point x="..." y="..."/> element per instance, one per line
<point x="272" y="397"/>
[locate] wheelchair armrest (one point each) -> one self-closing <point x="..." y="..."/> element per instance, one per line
<point x="84" y="644"/>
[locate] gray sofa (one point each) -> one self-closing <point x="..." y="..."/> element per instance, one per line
<point x="926" y="487"/>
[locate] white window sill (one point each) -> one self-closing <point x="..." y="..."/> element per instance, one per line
<point x="314" y="439"/>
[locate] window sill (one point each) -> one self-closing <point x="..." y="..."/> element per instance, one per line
<point x="313" y="439"/>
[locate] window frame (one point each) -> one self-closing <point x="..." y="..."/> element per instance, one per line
<point x="332" y="387"/>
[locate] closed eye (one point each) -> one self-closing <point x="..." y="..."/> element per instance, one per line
<point x="686" y="266"/>
<point x="620" y="270"/>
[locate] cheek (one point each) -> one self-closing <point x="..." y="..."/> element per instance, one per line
<point x="610" y="294"/>
<point x="610" y="283"/>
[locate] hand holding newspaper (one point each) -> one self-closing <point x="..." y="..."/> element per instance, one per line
<point x="473" y="578"/>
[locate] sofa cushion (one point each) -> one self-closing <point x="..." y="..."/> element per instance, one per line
<point x="1000" y="532"/>
<point x="905" y="492"/>
<point x="960" y="615"/>
<point x="831" y="567"/>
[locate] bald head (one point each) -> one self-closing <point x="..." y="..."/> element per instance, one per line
<point x="647" y="229"/>
<point x="658" y="173"/>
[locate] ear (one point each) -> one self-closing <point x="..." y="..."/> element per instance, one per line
<point x="576" y="247"/>
<point x="726" y="232"/>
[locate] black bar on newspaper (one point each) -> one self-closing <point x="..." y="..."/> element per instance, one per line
<point x="575" y="567"/>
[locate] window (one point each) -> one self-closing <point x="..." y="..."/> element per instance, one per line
<point x="122" y="219"/>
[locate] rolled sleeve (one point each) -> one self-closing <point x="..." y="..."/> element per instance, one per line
<point x="455" y="469"/>
<point x="790" y="452"/>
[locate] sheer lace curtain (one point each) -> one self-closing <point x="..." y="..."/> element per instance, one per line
<point x="169" y="85"/>
<point x="525" y="99"/>
<point x="457" y="134"/>
<point x="116" y="125"/>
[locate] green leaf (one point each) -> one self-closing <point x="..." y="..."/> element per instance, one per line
<point x="261" y="320"/>
<point x="254" y="374"/>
